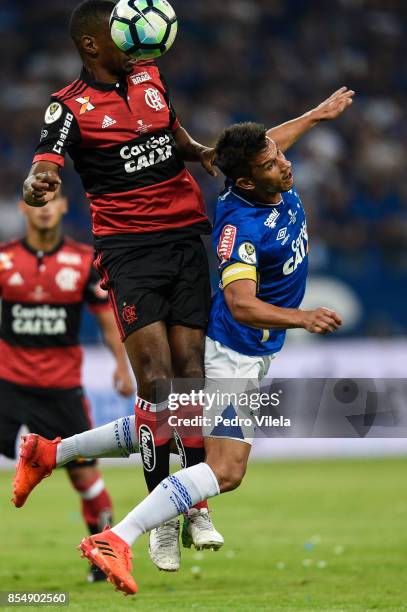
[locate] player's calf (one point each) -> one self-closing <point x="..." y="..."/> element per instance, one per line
<point x="96" y="504"/>
<point x="228" y="460"/>
<point x="95" y="500"/>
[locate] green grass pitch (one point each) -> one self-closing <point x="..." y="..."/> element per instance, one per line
<point x="310" y="535"/>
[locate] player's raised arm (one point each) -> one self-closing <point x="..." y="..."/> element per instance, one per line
<point x="191" y="150"/>
<point x="41" y="184"/>
<point x="286" y="134"/>
<point x="246" y="308"/>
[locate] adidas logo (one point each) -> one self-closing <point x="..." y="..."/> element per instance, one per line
<point x="107" y="122"/>
<point x="15" y="280"/>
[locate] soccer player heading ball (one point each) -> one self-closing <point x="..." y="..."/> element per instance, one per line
<point x="258" y="210"/>
<point x="117" y="123"/>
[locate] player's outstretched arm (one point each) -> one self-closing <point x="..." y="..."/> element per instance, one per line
<point x="122" y="379"/>
<point x="286" y="134"/>
<point x="246" y="308"/>
<point x="42" y="183"/>
<point x="191" y="150"/>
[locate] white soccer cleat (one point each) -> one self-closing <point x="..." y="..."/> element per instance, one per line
<point x="164" y="546"/>
<point x="198" y="530"/>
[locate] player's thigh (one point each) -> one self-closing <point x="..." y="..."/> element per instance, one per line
<point x="223" y="362"/>
<point x="149" y="353"/>
<point x="187" y="352"/>
<point x="231" y="385"/>
<point x="138" y="280"/>
<point x="190" y="292"/>
<point x="13" y="404"/>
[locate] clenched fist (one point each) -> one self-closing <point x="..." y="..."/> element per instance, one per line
<point x="40" y="188"/>
<point x="321" y="321"/>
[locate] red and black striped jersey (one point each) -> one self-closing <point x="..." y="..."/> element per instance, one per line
<point x="42" y="295"/>
<point x="121" y="139"/>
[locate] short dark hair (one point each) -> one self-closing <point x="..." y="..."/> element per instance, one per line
<point x="89" y="18"/>
<point x="237" y="146"/>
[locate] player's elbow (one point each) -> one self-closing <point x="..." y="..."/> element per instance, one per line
<point x="239" y="309"/>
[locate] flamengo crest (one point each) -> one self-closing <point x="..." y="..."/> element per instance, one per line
<point x="153" y="99"/>
<point x="67" y="279"/>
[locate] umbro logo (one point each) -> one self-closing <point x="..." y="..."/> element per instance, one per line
<point x="107" y="122"/>
<point x="15" y="280"/>
<point x="283" y="236"/>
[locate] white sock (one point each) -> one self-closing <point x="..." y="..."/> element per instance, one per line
<point x="116" y="439"/>
<point x="173" y="496"/>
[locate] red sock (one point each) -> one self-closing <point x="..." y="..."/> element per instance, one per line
<point x="200" y="505"/>
<point x="96" y="503"/>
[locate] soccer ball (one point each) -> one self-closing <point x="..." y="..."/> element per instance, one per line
<point x="143" y="28"/>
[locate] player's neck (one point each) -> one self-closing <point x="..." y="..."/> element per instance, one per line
<point x="100" y="74"/>
<point x="43" y="240"/>
<point x="263" y="197"/>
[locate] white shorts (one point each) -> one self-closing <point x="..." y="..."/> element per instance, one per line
<point x="230" y="375"/>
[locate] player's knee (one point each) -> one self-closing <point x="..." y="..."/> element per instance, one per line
<point x="190" y="370"/>
<point x="154" y="387"/>
<point x="153" y="378"/>
<point x="230" y="474"/>
<point x="236" y="476"/>
<point x="189" y="364"/>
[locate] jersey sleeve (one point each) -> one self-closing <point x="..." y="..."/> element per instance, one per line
<point x="95" y="297"/>
<point x="6" y="263"/>
<point x="237" y="250"/>
<point x="60" y="132"/>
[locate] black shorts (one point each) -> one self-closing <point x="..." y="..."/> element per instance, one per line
<point x="49" y="413"/>
<point x="157" y="282"/>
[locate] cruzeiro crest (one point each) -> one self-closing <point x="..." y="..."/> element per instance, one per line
<point x="293" y="216"/>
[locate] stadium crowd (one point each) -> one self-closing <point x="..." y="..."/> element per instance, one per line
<point x="261" y="60"/>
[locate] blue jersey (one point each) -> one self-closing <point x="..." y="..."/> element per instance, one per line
<point x="265" y="243"/>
